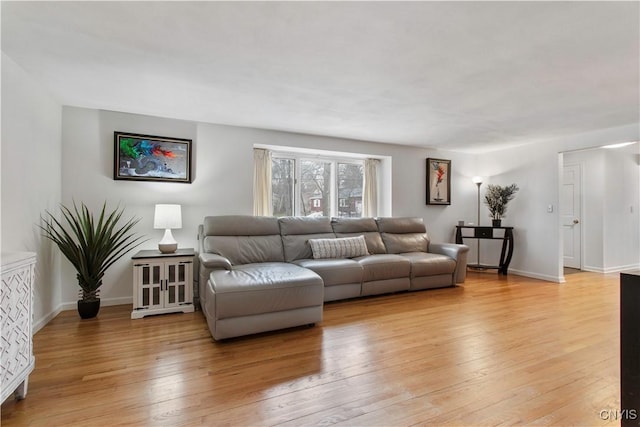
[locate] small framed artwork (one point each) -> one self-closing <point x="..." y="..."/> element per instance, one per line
<point x="151" y="158"/>
<point x="438" y="182"/>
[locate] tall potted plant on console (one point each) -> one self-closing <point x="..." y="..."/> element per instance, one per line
<point x="496" y="198"/>
<point x="91" y="245"/>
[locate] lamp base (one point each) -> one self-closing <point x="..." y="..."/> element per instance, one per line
<point x="167" y="248"/>
<point x="168" y="244"/>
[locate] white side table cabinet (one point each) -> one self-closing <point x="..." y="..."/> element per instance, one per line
<point x="16" y="321"/>
<point x="162" y="283"/>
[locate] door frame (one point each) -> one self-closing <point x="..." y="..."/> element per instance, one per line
<point x="580" y="204"/>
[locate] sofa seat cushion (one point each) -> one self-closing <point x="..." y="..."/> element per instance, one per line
<point x="384" y="266"/>
<point x="265" y="288"/>
<point x="428" y="264"/>
<point x="334" y="271"/>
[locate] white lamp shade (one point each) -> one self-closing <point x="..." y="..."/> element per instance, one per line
<point x="477" y="180"/>
<point x="167" y="217"/>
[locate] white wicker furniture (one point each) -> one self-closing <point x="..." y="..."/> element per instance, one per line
<point x="16" y="320"/>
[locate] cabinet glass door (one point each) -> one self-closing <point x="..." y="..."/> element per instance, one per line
<point x="177" y="284"/>
<point x="150" y="293"/>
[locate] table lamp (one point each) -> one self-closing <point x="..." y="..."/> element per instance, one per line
<point x="167" y="217"/>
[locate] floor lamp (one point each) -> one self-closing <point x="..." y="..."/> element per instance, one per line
<point x="477" y="180"/>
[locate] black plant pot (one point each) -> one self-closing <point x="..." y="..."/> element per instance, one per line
<point x="496" y="222"/>
<point x="88" y="309"/>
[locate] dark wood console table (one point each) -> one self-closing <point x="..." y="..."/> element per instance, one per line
<point x="480" y="232"/>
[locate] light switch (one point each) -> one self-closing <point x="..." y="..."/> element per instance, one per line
<point x="550" y="209"/>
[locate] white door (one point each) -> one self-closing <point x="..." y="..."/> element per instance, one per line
<point x="571" y="215"/>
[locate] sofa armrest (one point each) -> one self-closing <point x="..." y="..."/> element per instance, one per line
<point x="458" y="252"/>
<point x="214" y="261"/>
<point x="208" y="263"/>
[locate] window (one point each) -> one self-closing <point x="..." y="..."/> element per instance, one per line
<point x="315" y="187"/>
<point x="321" y="186"/>
<point x="282" y="185"/>
<point x="350" y="189"/>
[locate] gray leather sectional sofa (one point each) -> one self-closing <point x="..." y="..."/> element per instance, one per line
<point x="259" y="274"/>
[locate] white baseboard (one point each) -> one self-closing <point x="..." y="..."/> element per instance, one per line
<point x="104" y="302"/>
<point x="555" y="279"/>
<point x="593" y="269"/>
<point x="40" y="323"/>
<point x="609" y="270"/>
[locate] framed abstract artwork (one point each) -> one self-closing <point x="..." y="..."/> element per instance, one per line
<point x="151" y="158"/>
<point x="438" y="182"/>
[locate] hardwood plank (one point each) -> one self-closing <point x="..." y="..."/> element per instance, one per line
<point x="496" y="351"/>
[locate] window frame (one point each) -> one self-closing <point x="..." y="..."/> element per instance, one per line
<point x="297" y="170"/>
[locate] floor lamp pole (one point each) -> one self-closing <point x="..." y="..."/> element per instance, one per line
<point x="478" y="183"/>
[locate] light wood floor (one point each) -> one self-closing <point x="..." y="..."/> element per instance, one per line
<point x="496" y="351"/>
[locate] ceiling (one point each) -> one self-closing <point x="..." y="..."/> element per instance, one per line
<point x="466" y="76"/>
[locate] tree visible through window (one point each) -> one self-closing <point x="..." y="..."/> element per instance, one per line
<point x="315" y="188"/>
<point x="282" y="185"/>
<point x="350" y="189"/>
<point x="306" y="187"/>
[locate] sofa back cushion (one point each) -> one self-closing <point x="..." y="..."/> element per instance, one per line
<point x="401" y="235"/>
<point x="367" y="227"/>
<point x="296" y="232"/>
<point x="243" y="239"/>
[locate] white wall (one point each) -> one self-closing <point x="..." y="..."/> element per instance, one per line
<point x="223" y="179"/>
<point x="223" y="175"/>
<point x="610" y="218"/>
<point x="31" y="178"/>
<point x="536" y="169"/>
<point x="621" y="231"/>
<point x="87" y="176"/>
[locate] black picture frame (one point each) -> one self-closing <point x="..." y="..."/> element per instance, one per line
<point x="140" y="157"/>
<point x="438" y="182"/>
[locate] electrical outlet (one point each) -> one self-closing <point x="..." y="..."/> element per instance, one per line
<point x="550" y="209"/>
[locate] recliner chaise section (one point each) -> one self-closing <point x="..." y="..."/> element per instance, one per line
<point x="261" y="273"/>
<point x="246" y="287"/>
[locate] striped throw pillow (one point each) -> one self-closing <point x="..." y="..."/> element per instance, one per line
<point x="343" y="247"/>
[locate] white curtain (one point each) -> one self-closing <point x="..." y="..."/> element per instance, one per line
<point x="262" y="182"/>
<point x="370" y="191"/>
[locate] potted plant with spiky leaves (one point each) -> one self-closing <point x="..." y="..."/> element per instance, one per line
<point x="91" y="245"/>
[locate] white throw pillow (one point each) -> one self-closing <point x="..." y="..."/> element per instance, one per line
<point x="342" y="247"/>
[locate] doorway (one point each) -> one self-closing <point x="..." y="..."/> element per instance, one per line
<point x="598" y="212"/>
<point x="571" y="216"/>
